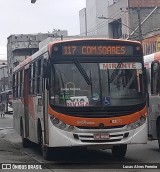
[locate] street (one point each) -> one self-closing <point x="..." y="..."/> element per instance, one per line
<point x="11" y="151"/>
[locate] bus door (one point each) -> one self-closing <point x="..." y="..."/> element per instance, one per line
<point x="26" y="102"/>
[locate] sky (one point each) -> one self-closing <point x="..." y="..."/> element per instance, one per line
<point x="23" y="17"/>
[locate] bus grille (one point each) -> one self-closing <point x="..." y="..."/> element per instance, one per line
<point x="100" y="141"/>
<point x="89" y="138"/>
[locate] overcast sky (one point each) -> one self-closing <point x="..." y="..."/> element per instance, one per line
<point x="22" y="17"/>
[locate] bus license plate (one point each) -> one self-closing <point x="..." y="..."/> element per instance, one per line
<point x="101" y="136"/>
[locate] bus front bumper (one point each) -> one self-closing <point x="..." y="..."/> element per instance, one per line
<point x="86" y="137"/>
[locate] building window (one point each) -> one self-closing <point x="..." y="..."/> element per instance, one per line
<point x="116" y="28"/>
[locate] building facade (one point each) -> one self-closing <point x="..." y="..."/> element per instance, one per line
<point x="127" y="19"/>
<point x="89" y="21"/>
<point x="21" y="46"/>
<point x="83" y="22"/>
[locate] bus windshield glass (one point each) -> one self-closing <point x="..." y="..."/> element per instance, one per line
<point x="96" y="84"/>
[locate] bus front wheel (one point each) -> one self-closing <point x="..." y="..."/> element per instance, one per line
<point x="46" y="152"/>
<point x="119" y="151"/>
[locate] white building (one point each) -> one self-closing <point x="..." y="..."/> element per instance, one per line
<point x="128" y="19"/>
<point x="83" y="22"/>
<point x="104" y="17"/>
<point x="90" y="24"/>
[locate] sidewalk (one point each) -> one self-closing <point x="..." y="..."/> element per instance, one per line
<point x="7" y="121"/>
<point x="6" y="129"/>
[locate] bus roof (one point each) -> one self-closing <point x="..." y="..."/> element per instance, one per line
<point x="92" y="38"/>
<point x="47" y="47"/>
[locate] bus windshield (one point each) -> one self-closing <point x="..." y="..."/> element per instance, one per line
<point x="109" y="84"/>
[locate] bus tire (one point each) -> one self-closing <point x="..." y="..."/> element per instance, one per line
<point x="46" y="152"/>
<point x="25" y="142"/>
<point x="158" y="132"/>
<point x="119" y="151"/>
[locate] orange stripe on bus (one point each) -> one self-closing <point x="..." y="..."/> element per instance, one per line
<point x="113" y="121"/>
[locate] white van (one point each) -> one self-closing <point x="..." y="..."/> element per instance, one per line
<point x="9" y="109"/>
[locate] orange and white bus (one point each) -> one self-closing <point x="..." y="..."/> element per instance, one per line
<point x="86" y="93"/>
<point x="152" y="63"/>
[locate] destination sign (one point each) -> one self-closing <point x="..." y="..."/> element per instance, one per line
<point x="98" y="50"/>
<point x="131" y="65"/>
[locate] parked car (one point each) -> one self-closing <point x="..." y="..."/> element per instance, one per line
<point x="9" y="109"/>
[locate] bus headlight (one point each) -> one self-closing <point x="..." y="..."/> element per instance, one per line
<point x="137" y="123"/>
<point x="61" y="125"/>
<point x="54" y="120"/>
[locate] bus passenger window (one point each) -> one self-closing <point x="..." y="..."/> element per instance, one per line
<point x="21" y="83"/>
<point x="17" y="85"/>
<point x="39" y="76"/>
<point x="34" y="79"/>
<point x="30" y="80"/>
<point x="14" y="86"/>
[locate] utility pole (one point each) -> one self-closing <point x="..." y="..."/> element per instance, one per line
<point x="139" y="25"/>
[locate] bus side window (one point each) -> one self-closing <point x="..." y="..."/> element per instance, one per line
<point x="21" y="83"/>
<point x="18" y="85"/>
<point x="30" y="79"/>
<point x="155" y="77"/>
<point x="34" y="78"/>
<point x="14" y="85"/>
<point x="39" y="76"/>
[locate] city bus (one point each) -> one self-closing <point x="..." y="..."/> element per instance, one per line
<point x="6" y="99"/>
<point x="82" y="93"/>
<point x="152" y="64"/>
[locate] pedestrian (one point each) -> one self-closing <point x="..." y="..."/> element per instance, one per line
<point x="2" y="109"/>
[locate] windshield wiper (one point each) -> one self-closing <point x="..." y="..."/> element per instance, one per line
<point x="114" y="73"/>
<point x="82" y="71"/>
<point x="61" y="79"/>
<point x="131" y="81"/>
